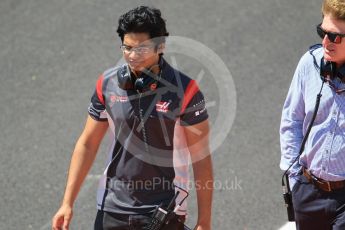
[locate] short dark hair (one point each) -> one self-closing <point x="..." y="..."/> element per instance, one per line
<point x="143" y="19"/>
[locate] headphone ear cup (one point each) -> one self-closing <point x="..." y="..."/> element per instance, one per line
<point x="327" y="69"/>
<point x="139" y="84"/>
<point x="145" y="82"/>
<point x="125" y="79"/>
<point x="341" y="73"/>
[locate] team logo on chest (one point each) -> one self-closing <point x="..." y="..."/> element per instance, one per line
<point x="115" y="98"/>
<point x="162" y="106"/>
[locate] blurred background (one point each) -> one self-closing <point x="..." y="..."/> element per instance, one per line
<point x="51" y="53"/>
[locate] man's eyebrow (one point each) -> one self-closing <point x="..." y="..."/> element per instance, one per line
<point x="141" y="45"/>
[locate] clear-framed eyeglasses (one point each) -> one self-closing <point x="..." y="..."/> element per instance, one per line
<point x="140" y="50"/>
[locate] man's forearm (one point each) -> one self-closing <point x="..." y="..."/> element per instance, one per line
<point x="81" y="162"/>
<point x="198" y="144"/>
<point x="203" y="176"/>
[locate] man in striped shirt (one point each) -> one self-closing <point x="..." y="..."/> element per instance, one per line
<point x="317" y="178"/>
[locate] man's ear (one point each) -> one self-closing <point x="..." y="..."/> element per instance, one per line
<point x="160" y="48"/>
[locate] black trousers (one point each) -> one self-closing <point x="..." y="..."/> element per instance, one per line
<point x="316" y="209"/>
<point x="113" y="221"/>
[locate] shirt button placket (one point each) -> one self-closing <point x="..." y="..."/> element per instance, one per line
<point x="330" y="142"/>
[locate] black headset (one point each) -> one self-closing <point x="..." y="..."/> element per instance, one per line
<point x="329" y="71"/>
<point x="147" y="80"/>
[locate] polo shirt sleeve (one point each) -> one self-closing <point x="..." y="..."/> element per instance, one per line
<point x="193" y="110"/>
<point x="97" y="108"/>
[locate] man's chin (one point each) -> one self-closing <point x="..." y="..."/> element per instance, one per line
<point x="328" y="57"/>
<point x="136" y="68"/>
<point x="334" y="59"/>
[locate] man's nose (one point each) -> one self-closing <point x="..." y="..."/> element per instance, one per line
<point x="326" y="40"/>
<point x="133" y="54"/>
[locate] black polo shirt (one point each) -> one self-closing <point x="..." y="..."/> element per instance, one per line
<point x="145" y="159"/>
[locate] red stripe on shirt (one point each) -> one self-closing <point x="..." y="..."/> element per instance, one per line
<point x="99" y="89"/>
<point x="191" y="90"/>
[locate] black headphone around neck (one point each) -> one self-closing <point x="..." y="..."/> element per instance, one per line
<point x="330" y="71"/>
<point x="147" y="80"/>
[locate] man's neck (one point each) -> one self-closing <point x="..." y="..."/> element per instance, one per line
<point x="340" y="64"/>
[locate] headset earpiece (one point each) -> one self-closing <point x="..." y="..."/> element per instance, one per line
<point x="328" y="69"/>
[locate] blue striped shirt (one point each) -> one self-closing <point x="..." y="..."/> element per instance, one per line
<point x="324" y="153"/>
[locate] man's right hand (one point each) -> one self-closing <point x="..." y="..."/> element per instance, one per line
<point x="82" y="158"/>
<point x="62" y="218"/>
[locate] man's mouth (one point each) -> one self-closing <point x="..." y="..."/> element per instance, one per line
<point x="134" y="63"/>
<point x="328" y="49"/>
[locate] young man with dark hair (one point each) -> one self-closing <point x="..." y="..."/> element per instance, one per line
<point x="150" y="108"/>
<point x="317" y="178"/>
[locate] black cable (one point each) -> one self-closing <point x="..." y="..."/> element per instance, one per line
<point x="187" y="194"/>
<point x="287" y="194"/>
<point x="317" y="104"/>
